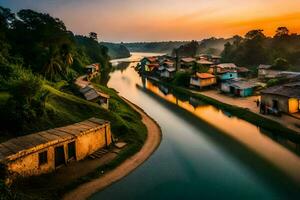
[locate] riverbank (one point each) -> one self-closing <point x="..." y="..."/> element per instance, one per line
<point x="243" y="113"/>
<point x="152" y="142"/>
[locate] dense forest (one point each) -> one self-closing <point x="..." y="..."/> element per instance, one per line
<point x="282" y="50"/>
<point x="36" y="52"/>
<point x="116" y="50"/>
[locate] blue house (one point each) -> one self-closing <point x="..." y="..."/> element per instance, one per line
<point x="227" y="75"/>
<point x="238" y="87"/>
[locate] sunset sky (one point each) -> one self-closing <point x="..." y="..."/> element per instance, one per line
<point x="157" y="20"/>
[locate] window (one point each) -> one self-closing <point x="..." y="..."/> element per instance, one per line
<point x="43" y="158"/>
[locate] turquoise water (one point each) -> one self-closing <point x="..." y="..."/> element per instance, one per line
<point x="204" y="154"/>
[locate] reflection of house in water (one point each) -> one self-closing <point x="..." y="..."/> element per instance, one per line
<point x="163" y="89"/>
<point x="45" y="151"/>
<point x="122" y="66"/>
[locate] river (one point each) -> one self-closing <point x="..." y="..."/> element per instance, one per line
<point x="205" y="152"/>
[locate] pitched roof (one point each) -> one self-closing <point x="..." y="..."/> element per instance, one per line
<point x="243" y="84"/>
<point x="227" y="65"/>
<point x="204" y="75"/>
<point x="24" y="145"/>
<point x="242" y="69"/>
<point x="204" y="62"/>
<point x="188" y="59"/>
<point x="291" y="90"/>
<point x="90" y="93"/>
<point x="262" y="66"/>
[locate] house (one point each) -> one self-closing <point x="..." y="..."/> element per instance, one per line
<point x="92" y="71"/>
<point x="45" y="151"/>
<point x="238" y="87"/>
<point x="215" y="59"/>
<point x="146" y="64"/>
<point x="166" y="72"/>
<point x="187" y="63"/>
<point x="243" y="72"/>
<point x="204" y="63"/>
<point x="96" y="96"/>
<point x="282" y="98"/>
<point x="227" y="75"/>
<point x="203" y="80"/>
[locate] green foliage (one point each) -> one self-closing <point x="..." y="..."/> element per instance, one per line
<point x="187" y="50"/>
<point x="255" y="48"/>
<point x="182" y="79"/>
<point x="116" y="50"/>
<point x="280" y="64"/>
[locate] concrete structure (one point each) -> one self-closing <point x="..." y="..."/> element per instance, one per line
<point x="238" y="87"/>
<point x="203" y="80"/>
<point x="45" y="151"/>
<point x="94" y="95"/>
<point x="282" y="98"/>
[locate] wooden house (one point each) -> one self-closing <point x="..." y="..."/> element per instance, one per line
<point x="282" y="98"/>
<point x="202" y="80"/>
<point x="166" y="72"/>
<point x="45" y="151"/>
<point x="96" y="96"/>
<point x="187" y="63"/>
<point x="243" y="72"/>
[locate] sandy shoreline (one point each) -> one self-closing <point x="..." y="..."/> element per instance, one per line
<point x="152" y="142"/>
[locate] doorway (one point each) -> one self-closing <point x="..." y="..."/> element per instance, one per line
<point x="71" y="151"/>
<point x="59" y="156"/>
<point x="275" y="104"/>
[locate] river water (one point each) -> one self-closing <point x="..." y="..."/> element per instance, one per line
<point x="205" y="152"/>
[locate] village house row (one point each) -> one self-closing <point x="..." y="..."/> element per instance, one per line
<point x="207" y="72"/>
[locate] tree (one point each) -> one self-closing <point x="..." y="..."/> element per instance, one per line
<point x="93" y="36"/>
<point x="255" y="35"/>
<point x="280" y="64"/>
<point x="282" y="31"/>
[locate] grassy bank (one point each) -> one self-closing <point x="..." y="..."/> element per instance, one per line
<point x="66" y="107"/>
<point x="242" y="113"/>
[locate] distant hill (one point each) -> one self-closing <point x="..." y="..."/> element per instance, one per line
<point x="207" y="46"/>
<point x="156" y="47"/>
<point x="116" y="50"/>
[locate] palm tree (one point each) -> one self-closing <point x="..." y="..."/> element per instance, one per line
<point x="53" y="65"/>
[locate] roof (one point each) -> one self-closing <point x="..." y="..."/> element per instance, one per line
<point x="227" y="65"/>
<point x="169" y="63"/>
<point x="243" y="84"/>
<point x="242" y="69"/>
<point x="204" y="62"/>
<point x="291" y="90"/>
<point x="204" y="75"/>
<point x="171" y="69"/>
<point x="262" y="66"/>
<point x="24" y="145"/>
<point x="188" y="59"/>
<point x="91" y="93"/>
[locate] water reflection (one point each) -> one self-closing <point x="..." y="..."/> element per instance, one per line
<point x="255" y="138"/>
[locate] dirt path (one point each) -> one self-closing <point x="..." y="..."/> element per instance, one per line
<point x="249" y="102"/>
<point x="152" y="142"/>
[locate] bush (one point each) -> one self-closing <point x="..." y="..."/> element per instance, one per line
<point x="182" y="79"/>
